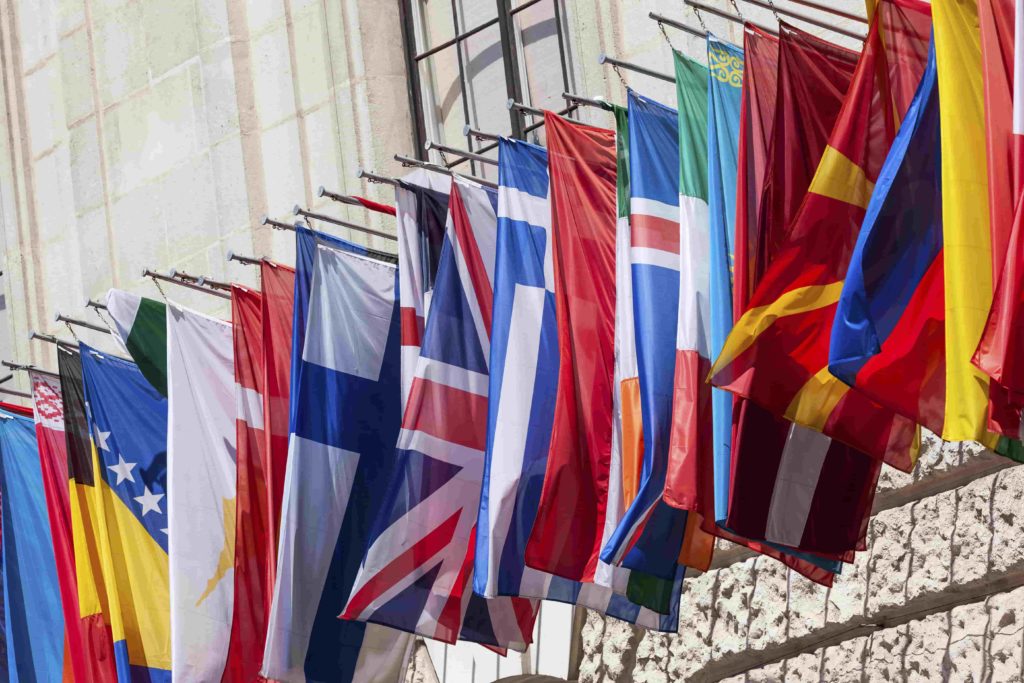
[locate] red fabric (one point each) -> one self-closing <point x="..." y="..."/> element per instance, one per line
<point x="998" y="353"/>
<point x="89" y="653"/>
<point x="566" y="536"/>
<point x="278" y="304"/>
<point x="814" y="76"/>
<point x="252" y="517"/>
<point x="757" y="120"/>
<point x="791" y="350"/>
<point x="376" y="206"/>
<point x="16" y="409"/>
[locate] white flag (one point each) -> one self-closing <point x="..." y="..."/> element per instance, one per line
<point x="201" y="491"/>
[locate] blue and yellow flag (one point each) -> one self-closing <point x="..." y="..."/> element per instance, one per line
<point x="128" y="423"/>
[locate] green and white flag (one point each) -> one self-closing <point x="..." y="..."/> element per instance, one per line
<point x="141" y="324"/>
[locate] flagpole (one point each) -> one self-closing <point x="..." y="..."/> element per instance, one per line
<point x="587" y="101"/>
<point x="487" y="136"/>
<point x="51" y="339"/>
<point x="445" y="149"/>
<point x="661" y="19"/>
<point x="244" y="260"/>
<point x="349" y="199"/>
<point x="98" y="305"/>
<point x="306" y="213"/>
<point x="372" y="253"/>
<point x="80" y="323"/>
<point x="183" y="283"/>
<point x="374" y="178"/>
<point x="830" y="10"/>
<point x="409" y="161"/>
<point x="629" y="66"/>
<point x="801" y="17"/>
<point x="26" y="368"/>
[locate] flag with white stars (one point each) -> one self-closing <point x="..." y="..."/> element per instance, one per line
<point x="128" y="422"/>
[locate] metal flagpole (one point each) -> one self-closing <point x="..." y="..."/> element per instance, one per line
<point x="803" y="17"/>
<point x="244" y="260"/>
<point x="467" y="130"/>
<point x="409" y="161"/>
<point x="98" y="305"/>
<point x="372" y="253"/>
<point x="60" y="318"/>
<point x="629" y="66"/>
<point x="182" y="283"/>
<point x="445" y="149"/>
<point x="306" y="213"/>
<point x="26" y="368"/>
<point x="351" y="200"/>
<point x="374" y="178"/>
<point x="662" y="19"/>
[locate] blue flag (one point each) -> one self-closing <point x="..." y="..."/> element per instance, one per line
<point x="32" y="609"/>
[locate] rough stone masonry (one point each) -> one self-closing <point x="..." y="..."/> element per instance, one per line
<point x="937" y="596"/>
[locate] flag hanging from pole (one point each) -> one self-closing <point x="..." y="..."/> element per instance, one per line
<point x="421" y="549"/>
<point x="129" y="469"/>
<point x="86" y="508"/>
<point x="767" y="357"/>
<point x="35" y="634"/>
<point x="654" y="257"/>
<point x="201" y="470"/>
<point x="569" y="527"/>
<point x="523" y="368"/>
<point x="89" y="650"/>
<point x="253" y="587"/>
<point x="335" y="466"/>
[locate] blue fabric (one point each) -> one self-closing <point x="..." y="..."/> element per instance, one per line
<point x="900" y="238"/>
<point x="32" y="609"/>
<point x="725" y="79"/>
<point x="653" y="175"/>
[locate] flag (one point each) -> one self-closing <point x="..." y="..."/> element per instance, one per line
<point x="568" y="530"/>
<point x="421" y="207"/>
<point x="32" y="597"/>
<point x="628" y="438"/>
<point x="253" y="587"/>
<point x="900" y="335"/>
<point x="129" y="444"/>
<point x="1001" y="26"/>
<point x="420" y="553"/>
<point x="649" y="536"/>
<point x="725" y="80"/>
<point x="523" y="363"/>
<point x="777" y="353"/>
<point x="141" y="325"/>
<point x="277" y="313"/>
<point x="86" y="508"/>
<point x="345" y="400"/>
<point x="757" y="121"/>
<point x="89" y="653"/>
<point x="201" y="470"/>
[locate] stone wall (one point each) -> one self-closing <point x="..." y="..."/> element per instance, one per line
<point x="937" y="595"/>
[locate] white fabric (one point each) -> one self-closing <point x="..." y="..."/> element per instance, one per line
<point x="201" y="474"/>
<point x="123" y="307"/>
<point x="360" y="291"/>
<point x="795" y="482"/>
<point x="694" y="332"/>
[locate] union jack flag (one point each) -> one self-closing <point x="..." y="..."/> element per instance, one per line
<point x="418" y="570"/>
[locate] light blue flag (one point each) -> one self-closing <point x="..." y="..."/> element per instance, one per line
<point x="725" y="81"/>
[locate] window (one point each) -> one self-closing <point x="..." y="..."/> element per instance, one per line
<point x="467" y="58"/>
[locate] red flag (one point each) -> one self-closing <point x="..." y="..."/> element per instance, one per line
<point x="89" y="653"/>
<point x="566" y="536"/>
<point x="376" y="206"/>
<point x="813" y="77"/>
<point x="998" y="352"/>
<point x="252" y="535"/>
<point x="278" y="304"/>
<point x="777" y="353"/>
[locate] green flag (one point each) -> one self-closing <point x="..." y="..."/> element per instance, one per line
<point x="142" y="325"/>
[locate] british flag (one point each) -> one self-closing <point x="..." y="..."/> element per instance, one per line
<point x="417" y="572"/>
